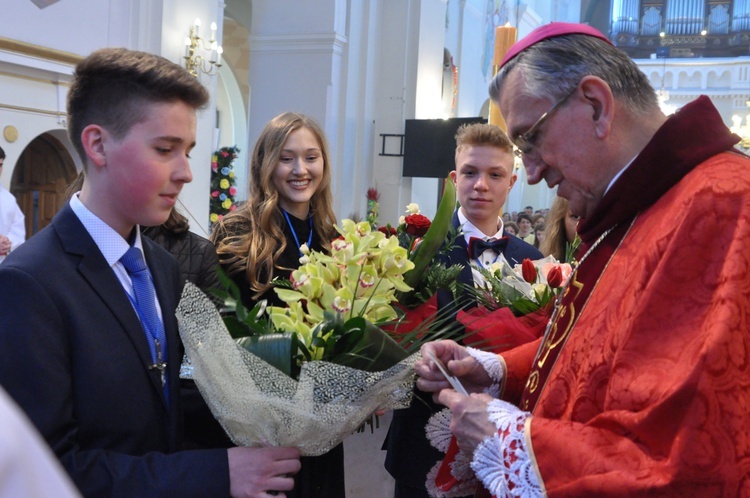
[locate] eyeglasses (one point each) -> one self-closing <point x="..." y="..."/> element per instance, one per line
<point x="526" y="142"/>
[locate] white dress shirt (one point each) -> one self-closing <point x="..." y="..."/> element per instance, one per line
<point x="488" y="256"/>
<point x="12" y="223"/>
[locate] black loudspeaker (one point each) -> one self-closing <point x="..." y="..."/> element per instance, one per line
<point x="430" y="146"/>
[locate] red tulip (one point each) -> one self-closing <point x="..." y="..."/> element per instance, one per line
<point x="528" y="270"/>
<point x="555" y="277"/>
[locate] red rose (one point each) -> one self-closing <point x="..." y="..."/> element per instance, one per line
<point x="528" y="270"/>
<point x="387" y="230"/>
<point x="417" y="225"/>
<point x="555" y="277"/>
<point x="373" y="194"/>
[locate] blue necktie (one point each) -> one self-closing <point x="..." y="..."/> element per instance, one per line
<point x="145" y="305"/>
<point x="477" y="246"/>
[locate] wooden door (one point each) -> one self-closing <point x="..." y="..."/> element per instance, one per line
<point x="40" y="179"/>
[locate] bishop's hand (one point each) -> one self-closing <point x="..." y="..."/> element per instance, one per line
<point x="459" y="363"/>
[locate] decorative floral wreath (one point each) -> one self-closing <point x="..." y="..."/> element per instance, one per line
<point x="222" y="183"/>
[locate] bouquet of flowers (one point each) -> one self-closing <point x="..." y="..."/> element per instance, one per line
<point x="259" y="405"/>
<point x="514" y="302"/>
<point x="523" y="288"/>
<point x="310" y="373"/>
<point x="222" y="183"/>
<point x="352" y="287"/>
<point x="423" y="239"/>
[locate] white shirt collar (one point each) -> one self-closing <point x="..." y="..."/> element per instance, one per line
<point x="618" y="175"/>
<point x="469" y="230"/>
<point x="110" y="243"/>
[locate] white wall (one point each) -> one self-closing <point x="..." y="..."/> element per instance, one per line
<point x="80" y="27"/>
<point x="296" y="65"/>
<point x="176" y="17"/>
<point x="395" y="56"/>
<point x="76" y="27"/>
<point x="33" y="103"/>
<point x="356" y="133"/>
<point x="470" y="40"/>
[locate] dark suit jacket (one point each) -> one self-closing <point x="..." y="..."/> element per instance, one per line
<point x="515" y="252"/>
<point x="410" y="456"/>
<point x="74" y="356"/>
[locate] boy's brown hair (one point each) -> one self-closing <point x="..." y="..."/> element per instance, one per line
<point x="478" y="134"/>
<point x="113" y="87"/>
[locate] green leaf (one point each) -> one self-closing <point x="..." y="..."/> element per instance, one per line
<point x="236" y="328"/>
<point x="229" y="288"/>
<point x="374" y="352"/>
<point x="435" y="236"/>
<point x="277" y="350"/>
<point x="351" y="336"/>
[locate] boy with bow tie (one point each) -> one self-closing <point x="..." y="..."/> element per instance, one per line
<point x="483" y="177"/>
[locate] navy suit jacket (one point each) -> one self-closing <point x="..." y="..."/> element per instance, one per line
<point x="410" y="456"/>
<point x="74" y="356"/>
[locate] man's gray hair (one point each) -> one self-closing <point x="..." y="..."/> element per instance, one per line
<point x="553" y="68"/>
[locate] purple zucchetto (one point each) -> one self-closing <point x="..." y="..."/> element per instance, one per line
<point x="551" y="30"/>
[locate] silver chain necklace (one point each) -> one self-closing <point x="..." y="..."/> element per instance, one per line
<point x="593" y="246"/>
<point x="559" y="298"/>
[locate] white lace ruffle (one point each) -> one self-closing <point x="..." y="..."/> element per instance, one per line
<point x="502" y="463"/>
<point x="438" y="430"/>
<point x="461" y="468"/>
<point x="493" y="365"/>
<point x="460" y="489"/>
<point x="439" y="435"/>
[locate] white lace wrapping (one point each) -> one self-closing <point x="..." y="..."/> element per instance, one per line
<point x="502" y="462"/>
<point x="257" y="404"/>
<point x="493" y="365"/>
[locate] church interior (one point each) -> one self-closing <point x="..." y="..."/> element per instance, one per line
<point x="362" y="68"/>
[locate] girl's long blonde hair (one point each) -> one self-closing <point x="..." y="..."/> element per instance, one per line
<point x="555" y="240"/>
<point x="251" y="238"/>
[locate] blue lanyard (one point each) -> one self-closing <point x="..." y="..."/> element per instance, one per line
<point x="294" y="233"/>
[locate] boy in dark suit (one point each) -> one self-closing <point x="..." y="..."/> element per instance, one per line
<point x="483" y="177"/>
<point x="89" y="346"/>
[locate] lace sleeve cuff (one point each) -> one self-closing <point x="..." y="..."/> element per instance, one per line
<point x="501" y="461"/>
<point x="494" y="365"/>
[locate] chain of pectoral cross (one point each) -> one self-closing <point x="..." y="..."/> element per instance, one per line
<point x="160" y="365"/>
<point x="561" y="294"/>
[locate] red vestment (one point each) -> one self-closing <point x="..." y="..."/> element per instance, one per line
<point x="642" y="385"/>
<point x="649" y="392"/>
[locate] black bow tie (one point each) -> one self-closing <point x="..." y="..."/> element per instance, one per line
<point x="477" y="246"/>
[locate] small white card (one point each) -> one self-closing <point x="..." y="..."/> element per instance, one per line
<point x="451" y="378"/>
